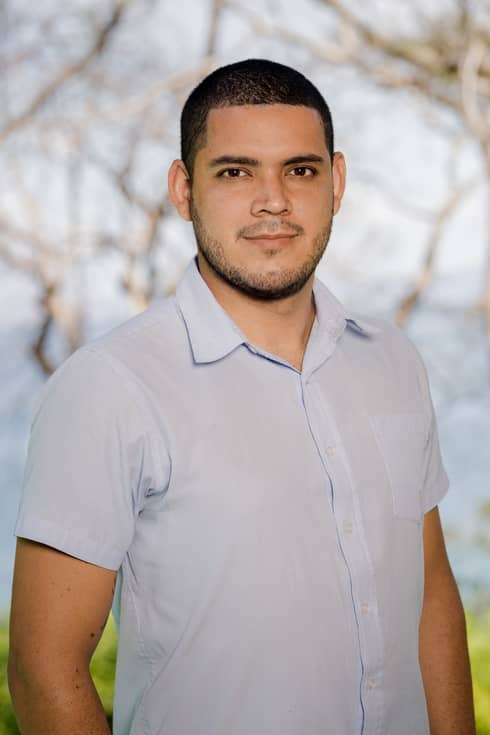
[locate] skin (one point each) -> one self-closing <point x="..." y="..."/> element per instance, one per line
<point x="60" y="603"/>
<point x="59" y="608"/>
<point x="443" y="648"/>
<point x="264" y="171"/>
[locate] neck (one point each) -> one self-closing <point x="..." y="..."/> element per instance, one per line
<point x="281" y="327"/>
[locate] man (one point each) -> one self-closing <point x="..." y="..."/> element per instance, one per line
<point x="259" y="468"/>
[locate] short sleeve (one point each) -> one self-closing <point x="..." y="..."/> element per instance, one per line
<point x="436" y="483"/>
<point x="90" y="461"/>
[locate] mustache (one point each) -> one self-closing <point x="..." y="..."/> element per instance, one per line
<point x="260" y="229"/>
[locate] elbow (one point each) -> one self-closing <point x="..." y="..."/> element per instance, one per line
<point x="38" y="683"/>
<point x="33" y="671"/>
<point x="13" y="671"/>
<point x="16" y="681"/>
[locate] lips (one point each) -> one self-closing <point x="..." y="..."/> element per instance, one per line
<point x="270" y="230"/>
<point x="270" y="242"/>
<point x="271" y="237"/>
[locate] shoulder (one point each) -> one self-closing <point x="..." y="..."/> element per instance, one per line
<point x="127" y="347"/>
<point x="109" y="371"/>
<point x="387" y="339"/>
<point x="160" y="323"/>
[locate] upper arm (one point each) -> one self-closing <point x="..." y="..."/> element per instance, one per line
<point x="439" y="581"/>
<point x="91" y="460"/>
<point x="59" y="608"/>
<point x="435" y="555"/>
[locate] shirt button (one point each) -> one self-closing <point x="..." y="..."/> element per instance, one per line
<point x="371" y="683"/>
<point x="348" y="527"/>
<point x="331" y="451"/>
<point x="364" y="608"/>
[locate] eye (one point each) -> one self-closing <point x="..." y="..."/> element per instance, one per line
<point x="303" y="171"/>
<point x="232" y="173"/>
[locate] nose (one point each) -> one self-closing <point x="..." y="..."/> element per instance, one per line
<point x="270" y="196"/>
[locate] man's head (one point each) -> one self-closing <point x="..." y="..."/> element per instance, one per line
<point x="249" y="82"/>
<point x="265" y="183"/>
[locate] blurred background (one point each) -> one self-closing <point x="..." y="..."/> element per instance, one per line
<point x="90" y="97"/>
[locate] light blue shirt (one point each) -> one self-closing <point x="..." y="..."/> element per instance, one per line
<point x="266" y="523"/>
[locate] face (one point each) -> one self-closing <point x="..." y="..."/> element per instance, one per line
<point x="262" y="198"/>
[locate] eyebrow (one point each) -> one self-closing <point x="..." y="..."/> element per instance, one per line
<point x="240" y="160"/>
<point x="245" y="161"/>
<point x="309" y="158"/>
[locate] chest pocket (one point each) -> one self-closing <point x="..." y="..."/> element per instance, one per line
<point x="402" y="439"/>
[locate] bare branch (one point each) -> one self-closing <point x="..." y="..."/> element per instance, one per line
<point x="67" y="73"/>
<point x="40" y="246"/>
<point x="473" y="59"/>
<point x="410" y="301"/>
<point x="429" y="64"/>
<point x="142" y="295"/>
<point x="421" y="55"/>
<point x="15" y="261"/>
<point x="349" y="49"/>
<point x="325" y="51"/>
<point x="391" y="79"/>
<point x="137" y="105"/>
<point x="39" y="346"/>
<point x="217" y="6"/>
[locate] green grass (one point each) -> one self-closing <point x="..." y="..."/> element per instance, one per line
<point x="104" y="660"/>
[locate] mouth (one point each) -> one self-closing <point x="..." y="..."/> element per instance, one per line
<point x="269" y="241"/>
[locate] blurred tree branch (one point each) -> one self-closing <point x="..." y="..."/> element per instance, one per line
<point x="447" y="63"/>
<point x="116" y="127"/>
<point x="132" y="111"/>
<point x="424" y="278"/>
<point x="68" y="72"/>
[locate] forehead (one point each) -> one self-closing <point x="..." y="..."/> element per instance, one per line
<point x="265" y="130"/>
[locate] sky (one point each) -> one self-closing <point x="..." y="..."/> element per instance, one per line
<point x="398" y="162"/>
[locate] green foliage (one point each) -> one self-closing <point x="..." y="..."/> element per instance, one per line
<point x="479" y="645"/>
<point x="7" y="719"/>
<point x="103" y="666"/>
<point x="104" y="660"/>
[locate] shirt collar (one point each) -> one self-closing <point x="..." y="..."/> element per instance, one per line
<point x="213" y="334"/>
<point x="333" y="317"/>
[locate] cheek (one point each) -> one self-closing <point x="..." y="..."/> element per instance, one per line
<point x="231" y="205"/>
<point x="323" y="205"/>
<point x="223" y="211"/>
<point x="218" y="221"/>
<point x="211" y="198"/>
<point x="313" y="210"/>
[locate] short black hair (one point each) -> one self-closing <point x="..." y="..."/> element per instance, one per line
<point x="248" y="82"/>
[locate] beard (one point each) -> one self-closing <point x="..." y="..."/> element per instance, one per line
<point x="260" y="286"/>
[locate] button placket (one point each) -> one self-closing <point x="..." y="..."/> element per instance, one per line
<point x="348" y="528"/>
<point x="350" y="540"/>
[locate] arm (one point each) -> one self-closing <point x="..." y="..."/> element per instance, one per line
<point x="443" y="650"/>
<point x="59" y="608"/>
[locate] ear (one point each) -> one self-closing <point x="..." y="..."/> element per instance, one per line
<point x="338" y="179"/>
<point x="179" y="188"/>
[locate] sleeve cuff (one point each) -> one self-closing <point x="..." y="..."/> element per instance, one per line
<point x="63" y="539"/>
